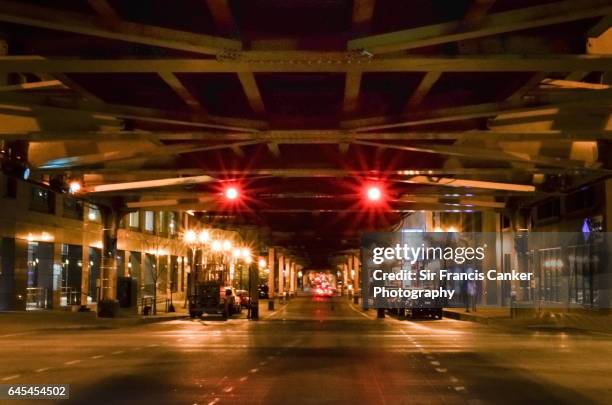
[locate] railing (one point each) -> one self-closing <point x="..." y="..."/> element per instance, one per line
<point x="36" y="298"/>
<point x="70" y="296"/>
<point x="146" y="304"/>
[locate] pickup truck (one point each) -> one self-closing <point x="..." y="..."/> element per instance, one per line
<point x="214" y="299"/>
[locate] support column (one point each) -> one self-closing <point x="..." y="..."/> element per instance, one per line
<point x="281" y="275"/>
<point x="86" y="273"/>
<point x="271" y="268"/>
<point x="605" y="277"/>
<point x="345" y="276"/>
<point x="108" y="267"/>
<point x="490" y="224"/>
<point x="292" y="277"/>
<point x="357" y="277"/>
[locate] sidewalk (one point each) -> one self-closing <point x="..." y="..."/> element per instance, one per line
<point x="18" y="322"/>
<point x="481" y="315"/>
<point x="583" y="321"/>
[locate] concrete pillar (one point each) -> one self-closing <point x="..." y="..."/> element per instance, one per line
<point x="605" y="278"/>
<point x="345" y="275"/>
<point x="292" y="277"/>
<point x="85" y="273"/>
<point x="356" y="279"/>
<point x="13" y="282"/>
<point x="491" y="289"/>
<point x="108" y="266"/>
<point x="281" y="270"/>
<point x="271" y="267"/>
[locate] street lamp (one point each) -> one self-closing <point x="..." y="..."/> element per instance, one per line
<point x="194" y="239"/>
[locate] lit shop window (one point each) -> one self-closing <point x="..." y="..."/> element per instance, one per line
<point x="149" y="221"/>
<point x="134" y="219"/>
<point x="93" y="214"/>
<point x="172" y="228"/>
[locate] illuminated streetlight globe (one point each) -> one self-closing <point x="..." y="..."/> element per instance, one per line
<point x="227" y="245"/>
<point x="248" y="259"/>
<point x="204" y="237"/>
<point x="216" y="246"/>
<point x="74" y="187"/>
<point x="190" y="236"/>
<point x="236" y="253"/>
<point x="245" y="252"/>
<point x="262" y="263"/>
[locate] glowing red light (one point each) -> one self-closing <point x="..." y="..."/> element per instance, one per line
<point x="374" y="193"/>
<point x="231" y="193"/>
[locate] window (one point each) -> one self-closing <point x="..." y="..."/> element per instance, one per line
<point x="73" y="208"/>
<point x="94" y="214"/>
<point x="549" y="210"/>
<point x="149" y="221"/>
<point x="581" y="200"/>
<point x="172" y="228"/>
<point x="161" y="223"/>
<point x="42" y="200"/>
<point x="134" y="219"/>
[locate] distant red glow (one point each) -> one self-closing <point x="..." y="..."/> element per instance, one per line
<point x="374" y="193"/>
<point x="231" y="193"/>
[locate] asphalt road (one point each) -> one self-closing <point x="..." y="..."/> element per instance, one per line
<point x="312" y="351"/>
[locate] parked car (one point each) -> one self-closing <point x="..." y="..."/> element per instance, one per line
<point x="245" y="298"/>
<point x="430" y="307"/>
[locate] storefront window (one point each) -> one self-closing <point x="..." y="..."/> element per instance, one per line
<point x="94" y="214"/>
<point x="149" y="221"/>
<point x="134" y="220"/>
<point x="42" y="200"/>
<point x="73" y="208"/>
<point x="172" y="228"/>
<point x="549" y="280"/>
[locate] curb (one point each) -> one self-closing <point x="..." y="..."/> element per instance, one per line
<point x="152" y="319"/>
<point x="467" y="317"/>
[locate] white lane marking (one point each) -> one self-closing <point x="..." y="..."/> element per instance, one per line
<point x="430" y="357"/>
<point x="11" y="377"/>
<point x="460" y="388"/>
<point x="253" y="370"/>
<point x="228" y="389"/>
<point x="435" y="363"/>
<point x="69" y="363"/>
<point x="154" y="345"/>
<point x="17" y="334"/>
<point x="359" y="312"/>
<point x="117" y="352"/>
<point x="441" y="370"/>
<point x="42" y="370"/>
<point x="214" y="401"/>
<point x="454" y="380"/>
<point x="243" y="379"/>
<point x="97" y="356"/>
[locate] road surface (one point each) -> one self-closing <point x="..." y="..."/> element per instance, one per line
<point x="312" y="351"/>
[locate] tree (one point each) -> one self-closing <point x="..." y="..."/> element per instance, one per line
<point x="158" y="246"/>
